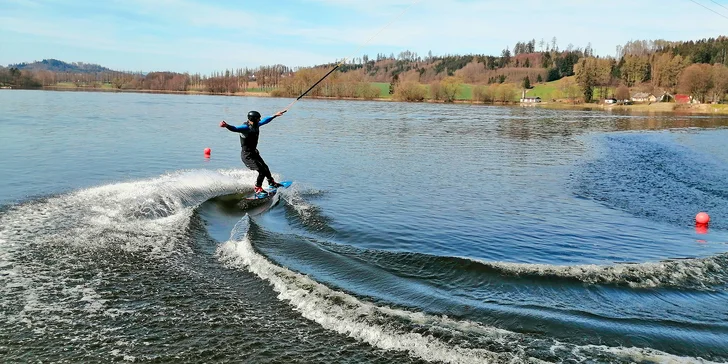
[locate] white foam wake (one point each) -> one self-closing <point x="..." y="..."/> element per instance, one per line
<point x="698" y="273"/>
<point x="41" y="242"/>
<point x="377" y="325"/>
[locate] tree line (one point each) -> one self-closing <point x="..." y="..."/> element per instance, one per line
<point x="667" y="72"/>
<point x="654" y="65"/>
<point x="53" y="73"/>
<point x="13" y="77"/>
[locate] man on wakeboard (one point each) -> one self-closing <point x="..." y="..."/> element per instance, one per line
<point x="249" y="133"/>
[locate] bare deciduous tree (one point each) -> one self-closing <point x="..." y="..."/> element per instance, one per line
<point x="622" y="93"/>
<point x="720" y="81"/>
<point x="697" y="81"/>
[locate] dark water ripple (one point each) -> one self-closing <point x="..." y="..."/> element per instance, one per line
<point x="412" y="233"/>
<point x="655" y="179"/>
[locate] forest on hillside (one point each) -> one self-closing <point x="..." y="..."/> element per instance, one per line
<point x="55" y="65"/>
<point x="697" y="68"/>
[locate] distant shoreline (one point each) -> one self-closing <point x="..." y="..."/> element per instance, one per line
<point x="648" y="108"/>
<point x="652" y="108"/>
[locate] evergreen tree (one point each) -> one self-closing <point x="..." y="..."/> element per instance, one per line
<point x="393" y="84"/>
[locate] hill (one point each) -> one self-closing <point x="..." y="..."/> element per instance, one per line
<point x="55" y="65"/>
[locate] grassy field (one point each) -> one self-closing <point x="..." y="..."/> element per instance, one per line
<point x="383" y="89"/>
<point x="466" y="91"/>
<point x="543" y="90"/>
<point x="548" y="90"/>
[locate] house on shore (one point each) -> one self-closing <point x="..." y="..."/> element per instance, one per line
<point x="644" y="97"/>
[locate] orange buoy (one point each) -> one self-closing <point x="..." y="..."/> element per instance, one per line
<point x="702" y="218"/>
<point x="207" y="152"/>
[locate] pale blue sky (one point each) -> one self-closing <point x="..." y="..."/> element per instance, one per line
<point x="207" y="35"/>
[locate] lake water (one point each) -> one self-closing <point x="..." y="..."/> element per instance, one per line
<point x="412" y="233"/>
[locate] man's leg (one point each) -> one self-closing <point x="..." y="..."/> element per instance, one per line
<point x="259" y="180"/>
<point x="252" y="161"/>
<point x="263" y="172"/>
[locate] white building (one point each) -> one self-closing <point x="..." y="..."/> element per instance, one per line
<point x="530" y="100"/>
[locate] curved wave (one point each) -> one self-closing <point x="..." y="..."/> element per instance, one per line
<point x="710" y="273"/>
<point x="700" y="273"/>
<point x="429" y="337"/>
<point x="303" y="213"/>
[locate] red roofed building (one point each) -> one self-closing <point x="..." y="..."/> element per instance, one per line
<point x="682" y="98"/>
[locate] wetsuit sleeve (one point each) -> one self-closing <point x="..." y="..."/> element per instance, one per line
<point x="237" y="128"/>
<point x="266" y="120"/>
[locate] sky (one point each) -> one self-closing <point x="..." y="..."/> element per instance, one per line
<point x="205" y="36"/>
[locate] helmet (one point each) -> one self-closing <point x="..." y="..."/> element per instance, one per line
<point x="253" y="116"/>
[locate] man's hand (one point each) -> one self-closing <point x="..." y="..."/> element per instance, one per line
<point x="223" y="124"/>
<point x="280" y="113"/>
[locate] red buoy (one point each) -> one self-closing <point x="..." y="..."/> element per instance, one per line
<point x="207" y="152"/>
<point x="702" y="218"/>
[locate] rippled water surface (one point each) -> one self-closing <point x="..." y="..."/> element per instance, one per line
<point x="412" y="233"/>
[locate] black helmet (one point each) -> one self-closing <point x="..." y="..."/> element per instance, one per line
<point x="253" y="116"/>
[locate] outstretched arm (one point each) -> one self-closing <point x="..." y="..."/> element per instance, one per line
<point x="270" y="118"/>
<point x="238" y="129"/>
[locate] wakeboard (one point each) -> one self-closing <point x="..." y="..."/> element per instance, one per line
<point x="271" y="191"/>
<point x="260" y="198"/>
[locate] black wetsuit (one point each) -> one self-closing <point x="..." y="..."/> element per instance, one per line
<point x="249" y="154"/>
